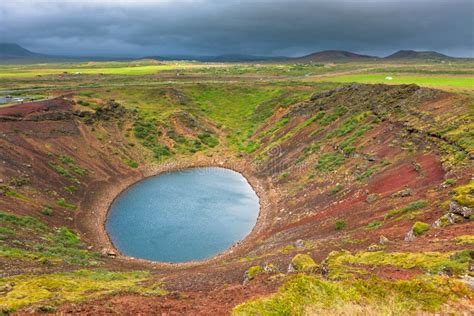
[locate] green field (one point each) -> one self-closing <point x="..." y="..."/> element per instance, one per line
<point x="435" y="81"/>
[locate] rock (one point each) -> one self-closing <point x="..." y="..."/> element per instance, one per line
<point x="371" y="198"/>
<point x="375" y="247"/>
<point x="402" y="193"/>
<point x="456" y="208"/>
<point x="299" y="243"/>
<point x="8" y="287"/>
<point x="383" y="240"/>
<point x="469" y="281"/>
<point x="410" y="236"/>
<point x="270" y="268"/>
<point x="448" y="219"/>
<point x="109" y="253"/>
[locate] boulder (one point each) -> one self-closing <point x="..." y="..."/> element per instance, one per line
<point x="383" y="240"/>
<point x="456" y="208"/>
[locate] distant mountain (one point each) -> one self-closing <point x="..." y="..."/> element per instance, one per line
<point x="412" y="54"/>
<point x="334" y="55"/>
<point x="218" y="58"/>
<point x="12" y="50"/>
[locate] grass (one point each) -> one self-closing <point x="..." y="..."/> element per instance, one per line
<point x="343" y="264"/>
<point x="417" y="205"/>
<point x="329" y="161"/>
<point x="464" y="240"/>
<point x="63" y="203"/>
<point x="303" y="262"/>
<point x="374" y="224"/>
<point x="466" y="82"/>
<point x="340" y="224"/>
<point x="419" y="228"/>
<point x="48" y="245"/>
<point x="54" y="289"/>
<point x="464" y="194"/>
<point x="311" y="295"/>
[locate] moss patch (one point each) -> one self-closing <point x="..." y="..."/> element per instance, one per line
<point x="53" y="289"/>
<point x="303" y="262"/>
<point x="303" y="295"/>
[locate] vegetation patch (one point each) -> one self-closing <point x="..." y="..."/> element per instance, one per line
<point x="303" y="295"/>
<point x="329" y="161"/>
<point x="464" y="194"/>
<point x="53" y="289"/>
<point x="343" y="264"/>
<point x="303" y="262"/>
<point x="417" y="205"/>
<point x="419" y="228"/>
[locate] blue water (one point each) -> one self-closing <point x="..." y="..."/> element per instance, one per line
<point x="184" y="215"/>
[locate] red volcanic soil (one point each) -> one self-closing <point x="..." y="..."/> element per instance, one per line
<point x="26" y="109"/>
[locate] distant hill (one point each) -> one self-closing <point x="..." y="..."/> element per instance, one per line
<point x="333" y="55"/>
<point x="12" y="50"/>
<point x="412" y="54"/>
<point x="218" y="58"/>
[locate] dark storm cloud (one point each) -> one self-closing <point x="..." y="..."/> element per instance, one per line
<point x="282" y="27"/>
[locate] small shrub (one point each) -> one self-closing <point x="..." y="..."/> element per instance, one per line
<point x="411" y="207"/>
<point x="253" y="271"/>
<point x="340" y="224"/>
<point x="62" y="202"/>
<point x="419" y="228"/>
<point x="329" y="161"/>
<point x="374" y="225"/>
<point x="47" y="210"/>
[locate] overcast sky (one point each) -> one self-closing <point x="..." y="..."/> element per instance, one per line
<point x="212" y="27"/>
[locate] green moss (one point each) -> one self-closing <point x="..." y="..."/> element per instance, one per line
<point x="62" y="202"/>
<point x="287" y="249"/>
<point x="464" y="194"/>
<point x="464" y="240"/>
<point x="303" y="262"/>
<point x="341" y="264"/>
<point x="54" y="289"/>
<point x="329" y="161"/>
<point x="22" y="221"/>
<point x="374" y="224"/>
<point x="417" y="205"/>
<point x="253" y="271"/>
<point x="419" y="228"/>
<point x="338" y="188"/>
<point x="47" y="210"/>
<point x="303" y="295"/>
<point x="131" y="163"/>
<point x="340" y="224"/>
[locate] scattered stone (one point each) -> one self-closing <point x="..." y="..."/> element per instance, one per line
<point x="371" y="198"/>
<point x="383" y="240"/>
<point x="464" y="211"/>
<point x="410" y="236"/>
<point x="402" y="193"/>
<point x="468" y="280"/>
<point x="4" y="289"/>
<point x="270" y="268"/>
<point x="448" y="219"/>
<point x="299" y="243"/>
<point x="375" y="247"/>
<point x="109" y="253"/>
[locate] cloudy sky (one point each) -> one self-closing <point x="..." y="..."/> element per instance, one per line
<point x="260" y="27"/>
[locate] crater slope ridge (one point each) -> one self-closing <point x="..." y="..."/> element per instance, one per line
<point x="366" y="198"/>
